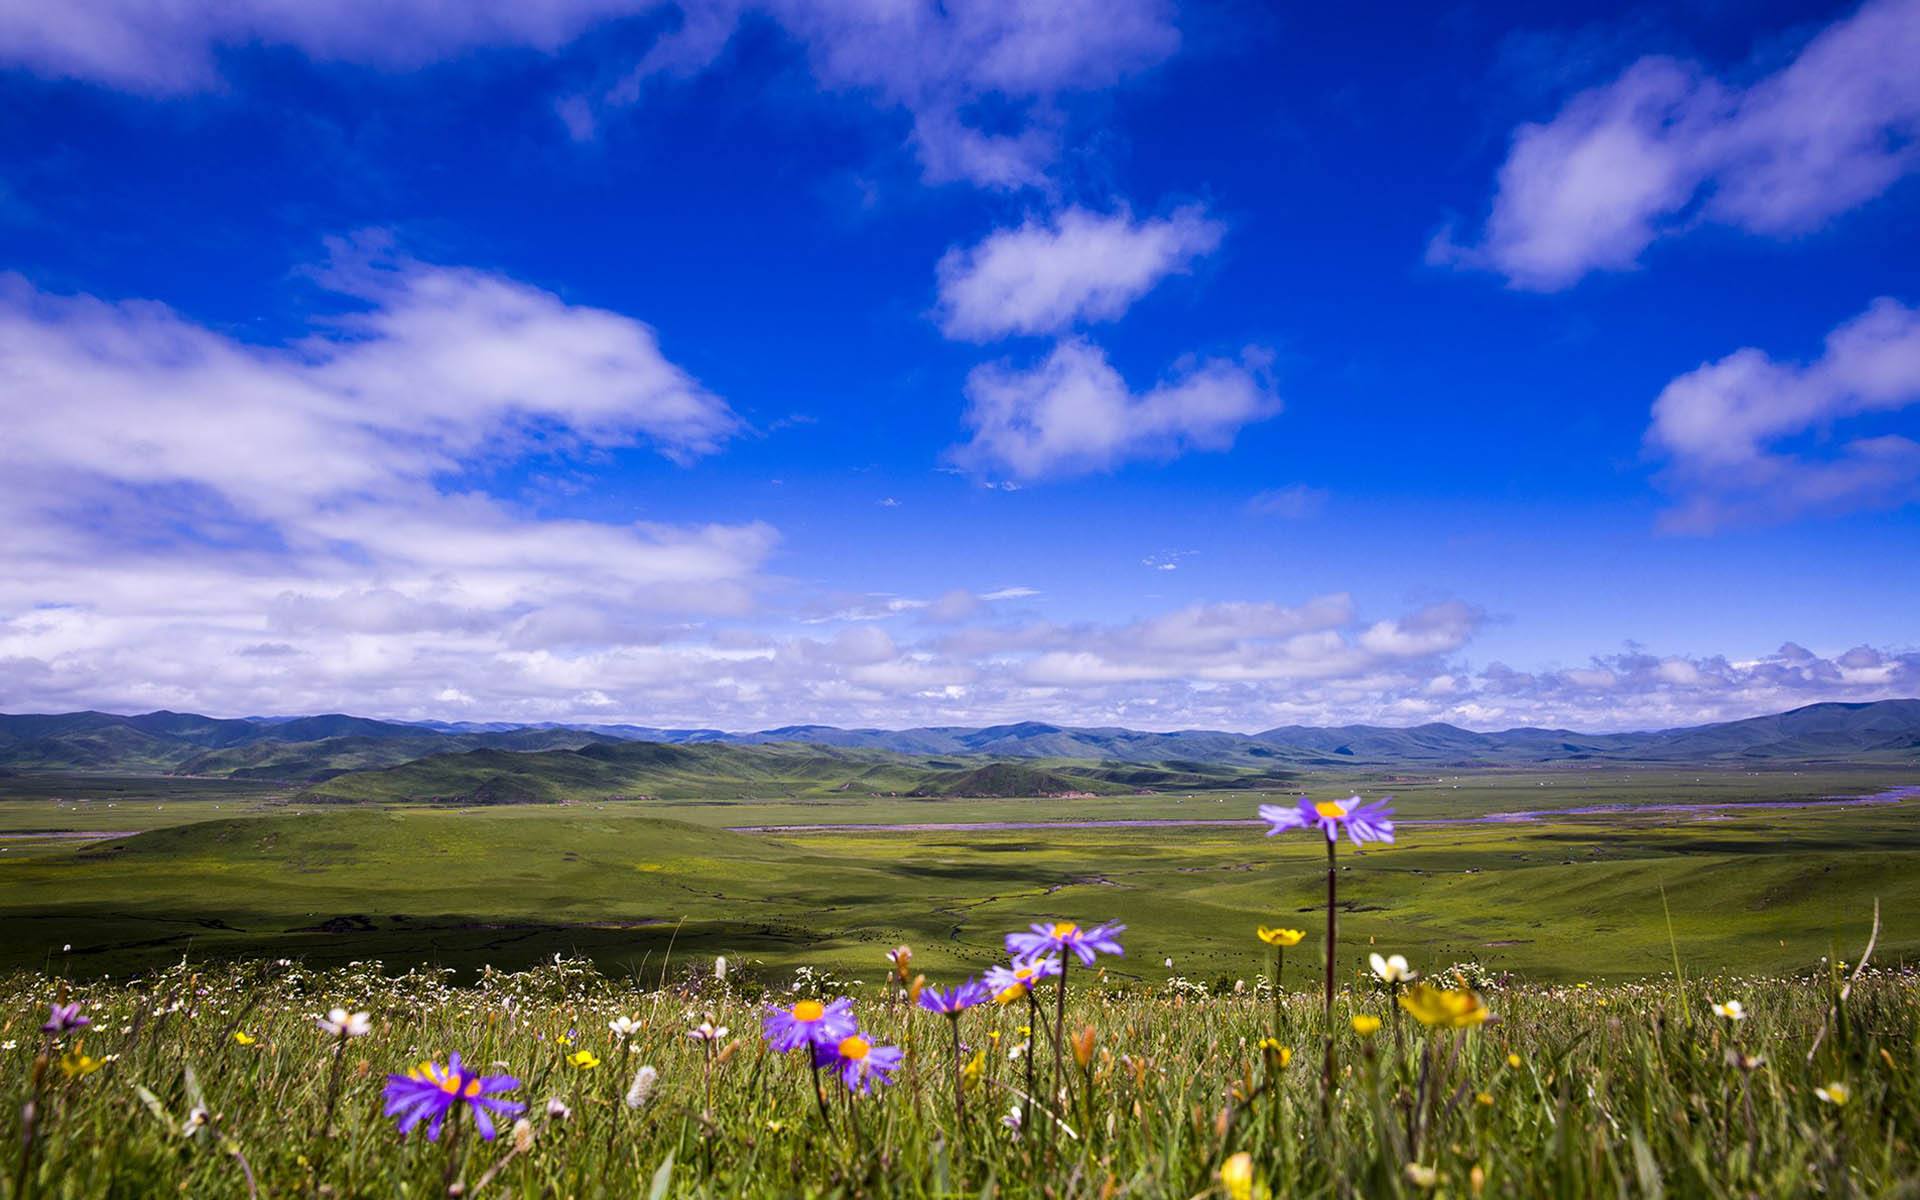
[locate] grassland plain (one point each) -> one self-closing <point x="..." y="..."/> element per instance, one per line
<point x="222" y="1082"/>
<point x="1566" y="895"/>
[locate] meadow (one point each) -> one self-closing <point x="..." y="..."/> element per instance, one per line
<point x="227" y="872"/>
<point x="230" y="1082"/>
<point x="1578" y="1038"/>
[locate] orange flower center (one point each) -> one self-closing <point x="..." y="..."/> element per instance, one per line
<point x="855" y="1048"/>
<point x="809" y="1010"/>
<point x="1062" y="929"/>
<point x="1330" y="810"/>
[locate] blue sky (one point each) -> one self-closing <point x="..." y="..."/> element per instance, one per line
<point x="744" y="363"/>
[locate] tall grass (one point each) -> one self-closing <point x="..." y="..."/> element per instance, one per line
<point x="1568" y="1091"/>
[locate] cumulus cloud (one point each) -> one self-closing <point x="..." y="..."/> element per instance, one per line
<point x="935" y="62"/>
<point x="1073" y="414"/>
<point x="186" y="511"/>
<point x="1077" y="267"/>
<point x="1667" y="146"/>
<point x="1731" y="430"/>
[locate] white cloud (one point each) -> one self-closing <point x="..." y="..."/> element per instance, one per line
<point x="1294" y="502"/>
<point x="1073" y="414"/>
<point x="933" y="60"/>
<point x="190" y="515"/>
<point x="1727" y="429"/>
<point x="1080" y="266"/>
<point x="1667" y="146"/>
<point x="173" y="47"/>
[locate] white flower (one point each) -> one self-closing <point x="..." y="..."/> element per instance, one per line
<point x="720" y="968"/>
<point x="1732" y="1010"/>
<point x="1836" y="1094"/>
<point x="343" y="1024"/>
<point x="642" y="1088"/>
<point x="194" y="1122"/>
<point x="1392" y="970"/>
<point x="624" y="1027"/>
<point x="522" y="1136"/>
<point x="707" y="1031"/>
<point x="557" y="1109"/>
<point x="1012" y="1120"/>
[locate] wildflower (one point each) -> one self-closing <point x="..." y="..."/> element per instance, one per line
<point x="430" y="1091"/>
<point x="707" y="1031"/>
<point x="641" y="1089"/>
<point x="584" y="1059"/>
<point x="1746" y="1062"/>
<point x="1083" y="1047"/>
<point x="809" y="1023"/>
<point x="1236" y="1176"/>
<point x="557" y="1109"/>
<point x="624" y="1027"/>
<point x="195" y="1122"/>
<point x="720" y="969"/>
<point x="976" y="1067"/>
<point x="343" y="1024"/>
<point x="1057" y="937"/>
<point x="1732" y="1010"/>
<point x="1422" y="1176"/>
<point x="1012" y="1120"/>
<point x="1363" y="822"/>
<point x="955" y="999"/>
<point x="65" y="1018"/>
<point x="1272" y="1048"/>
<point x="244" y="1038"/>
<point x="77" y="1065"/>
<point x="859" y="1062"/>
<point x="1836" y="1094"/>
<point x="1514" y="1060"/>
<point x="522" y="1136"/>
<point x="901" y="957"/>
<point x="1011" y="983"/>
<point x="1393" y="969"/>
<point x="1460" y="1009"/>
<point x="1484" y="1099"/>
<point x="1281" y="937"/>
<point x="1366" y="1024"/>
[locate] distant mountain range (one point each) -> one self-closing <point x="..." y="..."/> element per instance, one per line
<point x="315" y="748"/>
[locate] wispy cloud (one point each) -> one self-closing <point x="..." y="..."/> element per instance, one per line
<point x="934" y="62"/>
<point x="1294" y="502"/>
<point x="1076" y="267"/>
<point x="1667" y="146"/>
<point x="1072" y="413"/>
<point x="1730" y="430"/>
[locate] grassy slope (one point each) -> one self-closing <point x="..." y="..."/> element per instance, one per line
<point x="1574" y="897"/>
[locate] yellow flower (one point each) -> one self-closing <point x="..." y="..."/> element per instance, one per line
<point x="1513" y="1060"/>
<point x="1461" y="1009"/>
<point x="244" y="1038"/>
<point x="1421" y="1176"/>
<point x="1274" y="1050"/>
<point x="584" y="1059"/>
<point x="1836" y="1094"/>
<point x="74" y="1064"/>
<point x="1732" y="1010"/>
<point x="1236" y="1176"/>
<point x="976" y="1067"/>
<point x="1366" y="1025"/>
<point x="1484" y="1098"/>
<point x="1281" y="937"/>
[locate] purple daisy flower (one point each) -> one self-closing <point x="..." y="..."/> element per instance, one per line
<point x="1364" y="822"/>
<point x="809" y="1023"/>
<point x="1054" y="937"/>
<point x="859" y="1063"/>
<point x="1010" y="983"/>
<point x="65" y="1018"/>
<point x="954" y="999"/>
<point x="430" y="1091"/>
